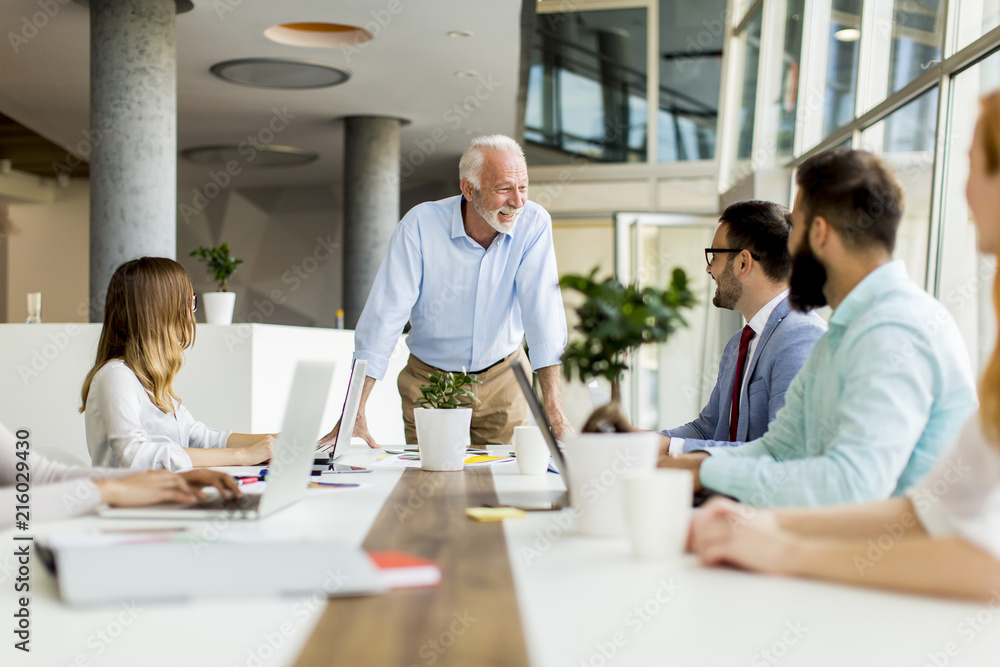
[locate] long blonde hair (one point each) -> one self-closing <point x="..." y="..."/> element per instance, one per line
<point x="148" y="323"/>
<point x="989" y="384"/>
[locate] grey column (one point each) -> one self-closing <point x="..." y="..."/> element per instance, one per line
<point x="371" y="204"/>
<point x="133" y="137"/>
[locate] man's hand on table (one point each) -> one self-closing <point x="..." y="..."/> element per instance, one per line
<point x="690" y="462"/>
<point x="560" y="424"/>
<point x="360" y="431"/>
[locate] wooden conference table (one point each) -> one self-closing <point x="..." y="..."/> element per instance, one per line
<point x="527" y="591"/>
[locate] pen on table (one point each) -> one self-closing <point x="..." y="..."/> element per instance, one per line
<point x="248" y="480"/>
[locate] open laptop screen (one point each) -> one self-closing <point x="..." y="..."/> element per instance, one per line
<point x="539" y="414"/>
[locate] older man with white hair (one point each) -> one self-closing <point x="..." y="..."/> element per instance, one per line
<point x="474" y="274"/>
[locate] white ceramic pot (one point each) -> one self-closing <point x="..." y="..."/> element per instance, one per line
<point x="443" y="437"/>
<point x="219" y="307"/>
<point x="597" y="462"/>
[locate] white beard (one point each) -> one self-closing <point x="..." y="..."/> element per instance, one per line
<point x="491" y="217"/>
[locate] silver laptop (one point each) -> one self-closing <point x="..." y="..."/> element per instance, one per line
<point x="288" y="471"/>
<point x="348" y="417"/>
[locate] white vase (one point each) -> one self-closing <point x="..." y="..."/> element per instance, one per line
<point x="597" y="463"/>
<point x="443" y="437"/>
<point x="219" y="307"/>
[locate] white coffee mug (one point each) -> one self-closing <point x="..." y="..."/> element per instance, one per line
<point x="658" y="507"/>
<point x="531" y="450"/>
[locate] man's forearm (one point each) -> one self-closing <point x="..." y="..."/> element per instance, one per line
<point x="548" y="377"/>
<point x="552" y="401"/>
<point x="365" y="392"/>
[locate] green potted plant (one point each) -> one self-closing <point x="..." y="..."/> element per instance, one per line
<point x="221" y="265"/>
<point x="443" y="420"/>
<point x="615" y="320"/>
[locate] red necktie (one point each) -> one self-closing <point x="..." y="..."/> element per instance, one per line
<point x="734" y="413"/>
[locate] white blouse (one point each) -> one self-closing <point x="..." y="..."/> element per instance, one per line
<point x="56" y="491"/>
<point x="960" y="496"/>
<point x="125" y="429"/>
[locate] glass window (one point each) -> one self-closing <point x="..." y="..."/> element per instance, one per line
<point x="587" y="87"/>
<point x="672" y="376"/>
<point x="965" y="277"/>
<point x="751" y="59"/>
<point x="975" y="18"/>
<point x="692" y="33"/>
<point x="842" y="64"/>
<point x="917" y="35"/>
<point x="906" y="141"/>
<point x="781" y="110"/>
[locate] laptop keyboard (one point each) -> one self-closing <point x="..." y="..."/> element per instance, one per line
<point x="244" y="503"/>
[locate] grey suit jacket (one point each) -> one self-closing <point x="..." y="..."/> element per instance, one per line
<point x="785" y="343"/>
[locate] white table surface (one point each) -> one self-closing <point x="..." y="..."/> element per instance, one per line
<point x="583" y="601"/>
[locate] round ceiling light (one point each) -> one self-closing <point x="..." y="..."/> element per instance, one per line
<point x="280" y="73"/>
<point x="269" y="156"/>
<point x="847" y="35"/>
<point x="322" y="35"/>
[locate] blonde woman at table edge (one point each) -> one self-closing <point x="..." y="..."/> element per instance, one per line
<point x="133" y="417"/>
<point x="943" y="537"/>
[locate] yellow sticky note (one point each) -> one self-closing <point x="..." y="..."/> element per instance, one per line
<point x="494" y="513"/>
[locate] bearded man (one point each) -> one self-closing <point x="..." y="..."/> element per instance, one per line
<point x="474" y="275"/>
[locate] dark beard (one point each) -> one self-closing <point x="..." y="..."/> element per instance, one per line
<point x="728" y="291"/>
<point x="807" y="281"/>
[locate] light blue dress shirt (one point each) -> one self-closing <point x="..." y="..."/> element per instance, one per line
<point x="468" y="306"/>
<point x="878" y="400"/>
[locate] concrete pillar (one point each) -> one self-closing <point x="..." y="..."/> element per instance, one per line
<point x="133" y="137"/>
<point x="371" y="204"/>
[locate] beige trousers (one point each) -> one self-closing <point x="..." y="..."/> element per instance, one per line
<point x="501" y="404"/>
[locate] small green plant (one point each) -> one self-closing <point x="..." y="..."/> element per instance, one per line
<point x="616" y="319"/>
<point x="446" y="390"/>
<point x="221" y="265"/>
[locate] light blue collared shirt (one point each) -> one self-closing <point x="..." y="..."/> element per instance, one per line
<point x="468" y="306"/>
<point x="880" y="397"/>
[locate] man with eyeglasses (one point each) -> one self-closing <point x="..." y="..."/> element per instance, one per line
<point x="750" y="264"/>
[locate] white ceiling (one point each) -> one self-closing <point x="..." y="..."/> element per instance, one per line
<point x="408" y="71"/>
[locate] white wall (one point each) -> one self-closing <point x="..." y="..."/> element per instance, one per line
<point x="48" y="251"/>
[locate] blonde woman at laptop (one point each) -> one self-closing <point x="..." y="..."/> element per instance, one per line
<point x="134" y="419"/>
<point x="61" y="492"/>
<point x="943" y="536"/>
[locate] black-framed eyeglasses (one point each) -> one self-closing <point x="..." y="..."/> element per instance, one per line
<point x="710" y="253"/>
<point x="194" y="303"/>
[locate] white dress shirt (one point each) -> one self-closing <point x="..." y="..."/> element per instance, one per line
<point x="960" y="496"/>
<point x="757" y="323"/>
<point x="57" y="491"/>
<point x="468" y="306"/>
<point x="125" y="429"/>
